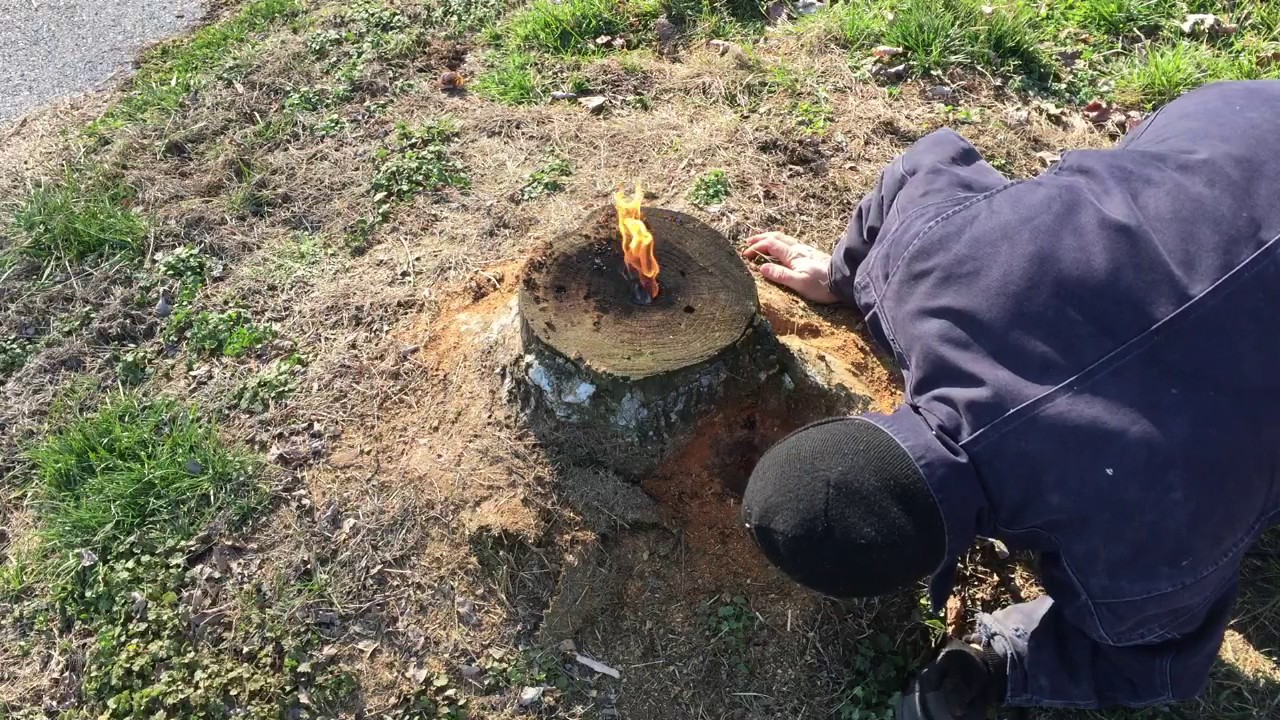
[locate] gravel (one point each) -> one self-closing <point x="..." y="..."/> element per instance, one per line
<point x="54" y="48"/>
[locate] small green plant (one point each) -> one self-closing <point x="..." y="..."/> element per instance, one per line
<point x="710" y="189"/>
<point x="812" y="117"/>
<point x="274" y="384"/>
<point x="876" y="673"/>
<point x="730" y="620"/>
<point x="82" y="216"/>
<point x="133" y="366"/>
<point x="546" y="180"/>
<point x="329" y="126"/>
<point x="14" y="352"/>
<point x="185" y="264"/>
<point x="417" y="160"/>
<point x="231" y="333"/>
<point x="463" y="16"/>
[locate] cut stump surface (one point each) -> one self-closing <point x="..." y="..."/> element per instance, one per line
<point x="581" y="304"/>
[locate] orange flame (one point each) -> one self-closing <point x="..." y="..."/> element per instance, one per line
<point x="637" y="242"/>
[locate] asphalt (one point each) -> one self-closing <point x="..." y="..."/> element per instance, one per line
<point x="53" y="48"/>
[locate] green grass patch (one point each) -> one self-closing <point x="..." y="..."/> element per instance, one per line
<point x="546" y="180"/>
<point x="940" y="34"/>
<point x="710" y="189"/>
<point x="82" y="216"/>
<point x="514" y="78"/>
<point x="138" y="473"/>
<point x="417" y="160"/>
<point x="571" y="27"/>
<point x="172" y="71"/>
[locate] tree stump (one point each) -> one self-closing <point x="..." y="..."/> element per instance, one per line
<point x="609" y="379"/>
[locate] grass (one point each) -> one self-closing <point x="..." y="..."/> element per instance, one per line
<point x="79" y="217"/>
<point x="137" y="473"/>
<point x="513" y="78"/>
<point x="174" y="70"/>
<point x="571" y="27"/>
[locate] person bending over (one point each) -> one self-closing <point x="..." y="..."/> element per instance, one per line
<point x="1091" y="361"/>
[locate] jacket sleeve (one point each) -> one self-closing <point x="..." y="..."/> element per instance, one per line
<point x="1054" y="663"/>
<point x="938" y="172"/>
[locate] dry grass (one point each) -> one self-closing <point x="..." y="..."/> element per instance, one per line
<point x="417" y="525"/>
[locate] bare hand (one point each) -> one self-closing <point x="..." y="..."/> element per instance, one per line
<point x="795" y="265"/>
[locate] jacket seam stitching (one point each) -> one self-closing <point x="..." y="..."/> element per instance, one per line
<point x="981" y="436"/>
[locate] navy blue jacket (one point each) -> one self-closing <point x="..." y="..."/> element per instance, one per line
<point x="1092" y="367"/>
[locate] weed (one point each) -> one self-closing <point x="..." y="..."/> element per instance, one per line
<point x="462" y="16"/>
<point x="137" y="473"/>
<point x="1121" y="19"/>
<point x="14" y="352"/>
<point x="230" y="333"/>
<point x="710" y="189"/>
<point x="729" y="622"/>
<point x="82" y="216"/>
<point x="812" y="117"/>
<point x="185" y="264"/>
<point x="277" y="382"/>
<point x="512" y="78"/>
<point x="329" y="126"/>
<point x="173" y="71"/>
<point x="133" y="366"/>
<point x="417" y="160"/>
<point x="546" y="180"/>
<point x="876" y="673"/>
<point x="857" y="23"/>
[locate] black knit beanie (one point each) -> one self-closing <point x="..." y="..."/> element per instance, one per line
<point x="841" y="508"/>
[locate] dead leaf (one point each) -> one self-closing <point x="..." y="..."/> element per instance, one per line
<point x="1049" y="158"/>
<point x="955" y="616"/>
<point x="775" y="12"/>
<point x="604" y="40"/>
<point x="87" y="558"/>
<point x="452" y="81"/>
<point x="594" y="104"/>
<point x="1068" y="58"/>
<point x="886" y="51"/>
<point x="1132" y="120"/>
<point x="1204" y="23"/>
<point x="561" y="95"/>
<point x="1266" y="60"/>
<point x="1017" y="118"/>
<point x="890" y="74"/>
<point x="367" y="647"/>
<point x="418" y="674"/>
<point x="722" y="47"/>
<point x="939" y="92"/>
<point x="988" y="11"/>
<point x="597" y="666"/>
<point x="1097" y="112"/>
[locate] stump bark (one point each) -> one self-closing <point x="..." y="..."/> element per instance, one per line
<point x="610" y="380"/>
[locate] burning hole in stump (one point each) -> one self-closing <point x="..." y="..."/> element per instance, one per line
<point x="618" y="365"/>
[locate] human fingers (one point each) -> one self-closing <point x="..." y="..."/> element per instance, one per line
<point x="771" y="247"/>
<point x="784" y="276"/>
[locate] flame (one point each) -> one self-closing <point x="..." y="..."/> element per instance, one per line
<point x="637" y="243"/>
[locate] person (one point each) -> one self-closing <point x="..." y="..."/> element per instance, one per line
<point x="1091" y="362"/>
